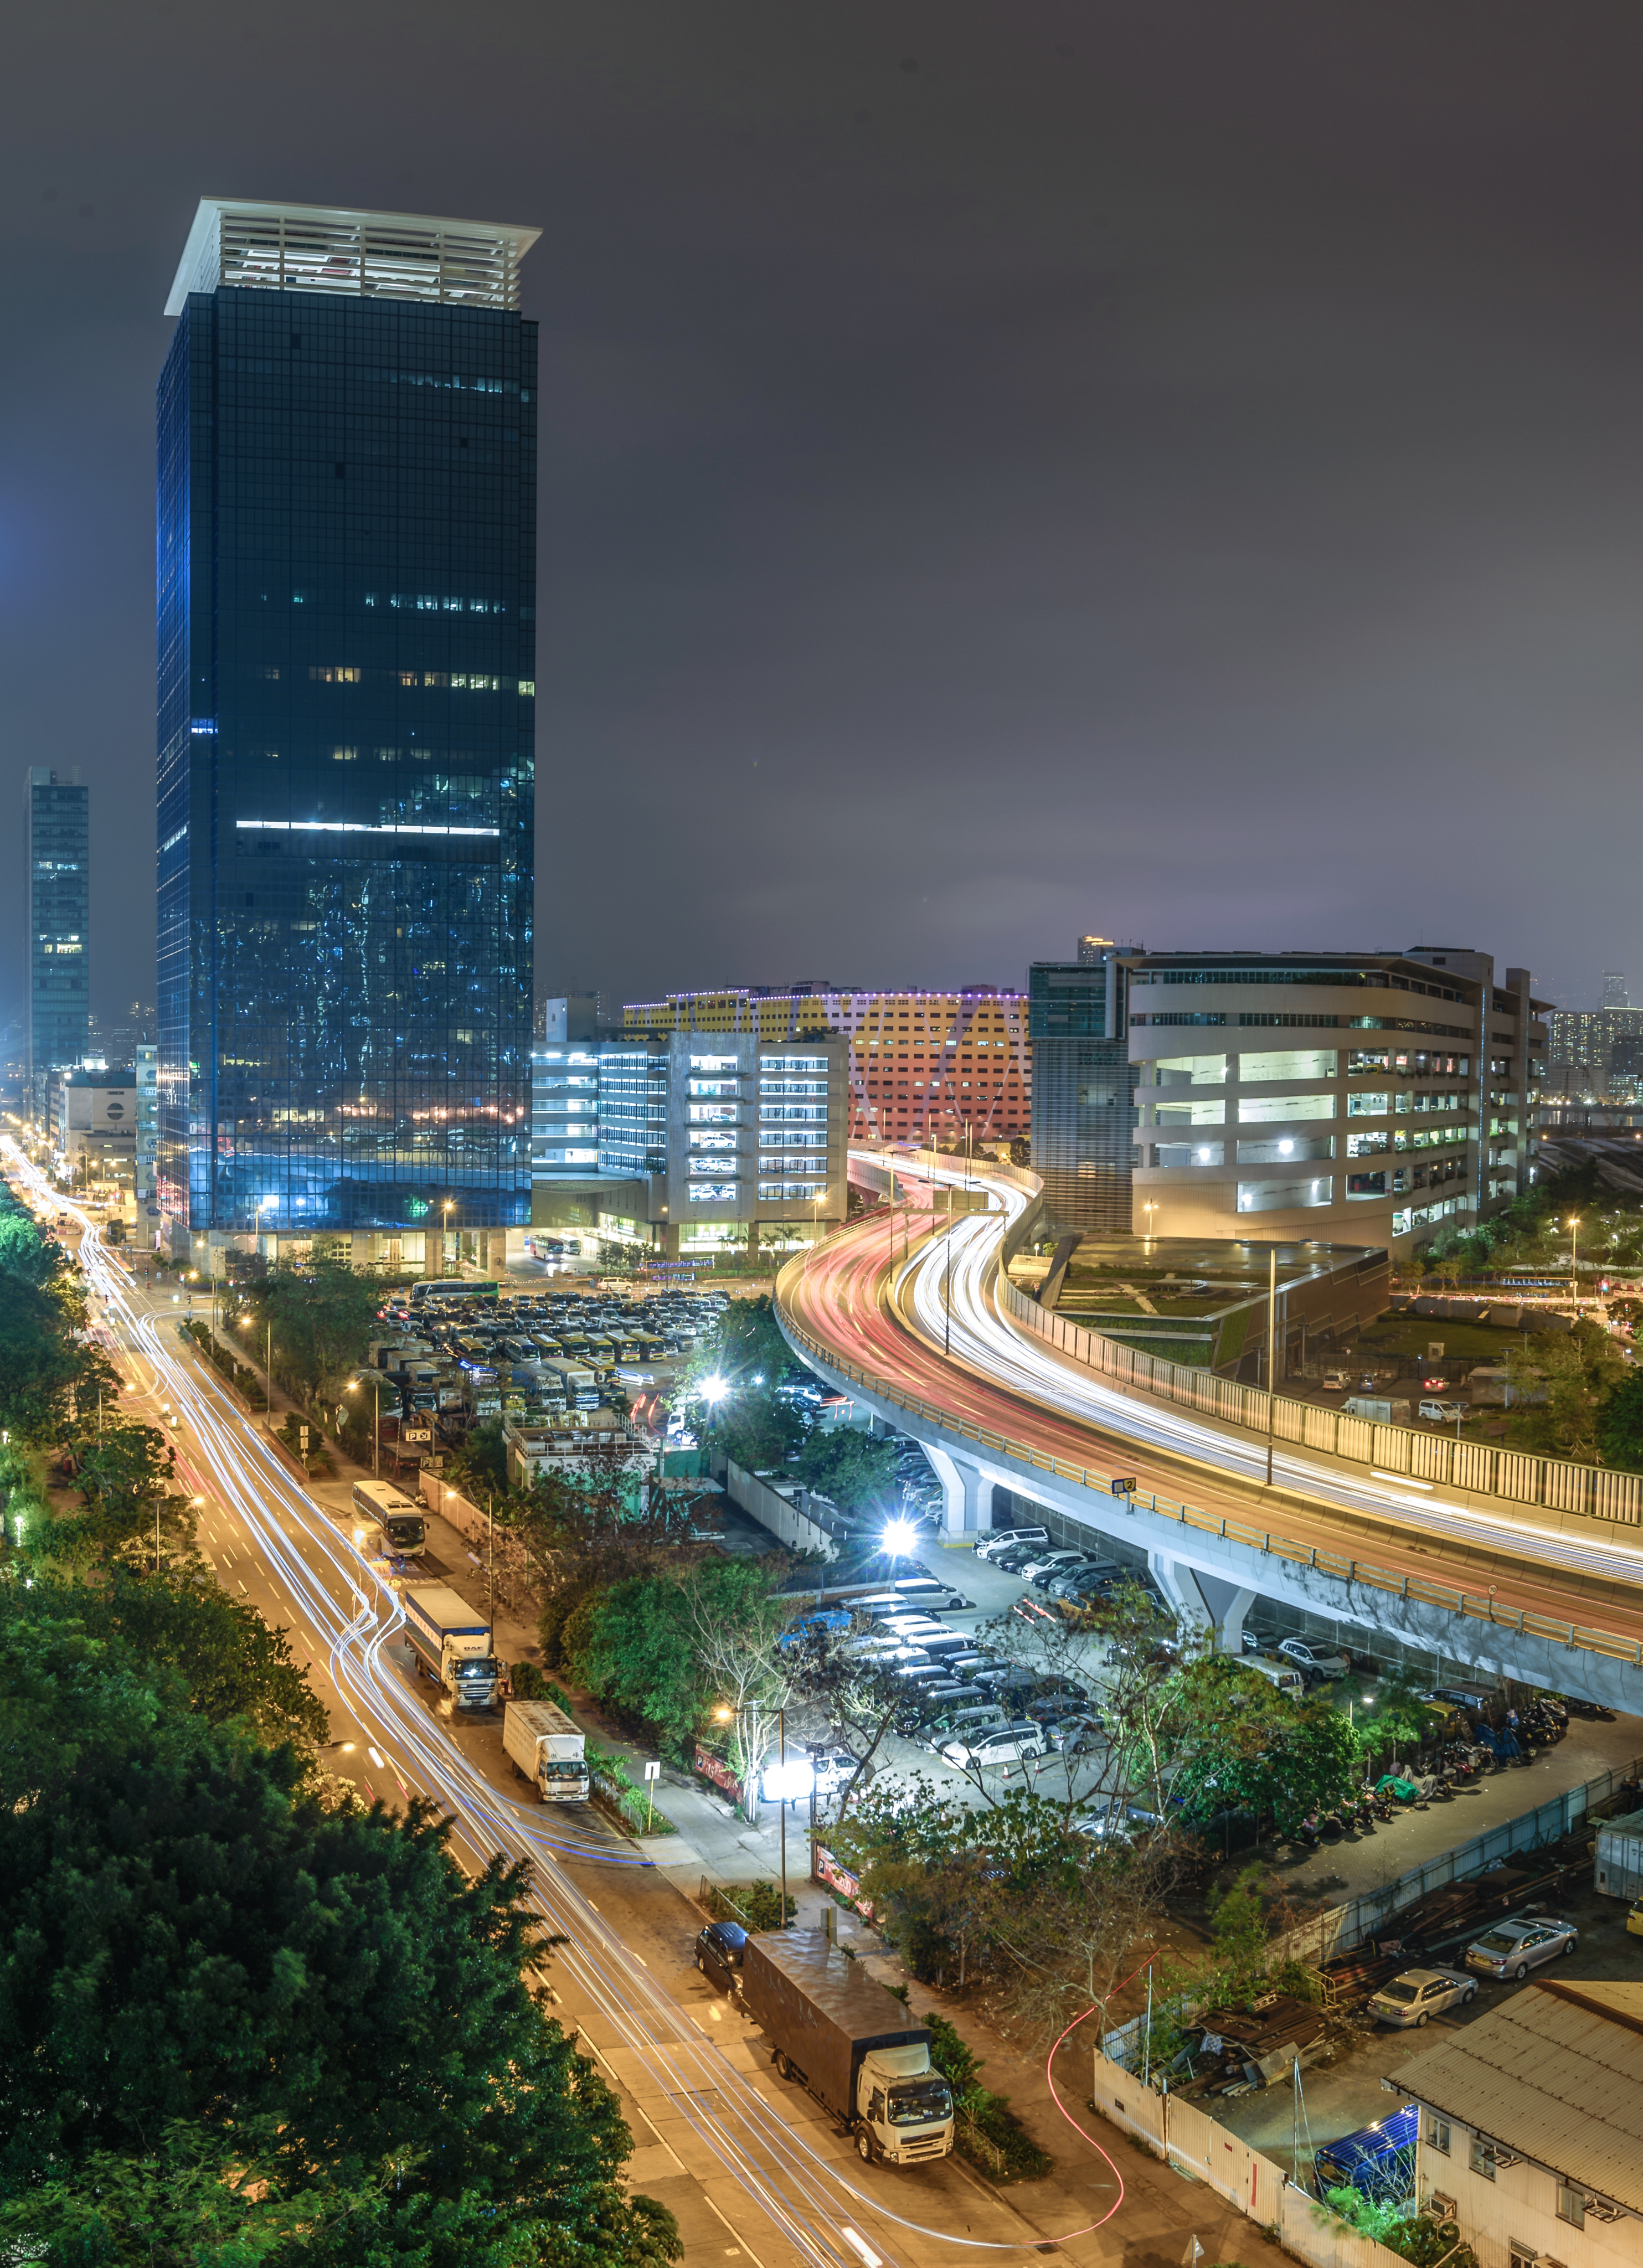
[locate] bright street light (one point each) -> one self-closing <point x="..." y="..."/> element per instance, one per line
<point x="899" y="1537"/>
<point x="714" y="1389"/>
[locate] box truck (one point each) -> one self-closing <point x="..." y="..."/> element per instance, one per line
<point x="547" y="1747"/>
<point x="851" y="2044"/>
<point x="451" y="1642"/>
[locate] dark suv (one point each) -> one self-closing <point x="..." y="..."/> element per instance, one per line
<point x="718" y="1953"/>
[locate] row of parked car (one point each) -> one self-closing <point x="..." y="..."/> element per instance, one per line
<point x="1060" y="1571"/>
<point x="963" y="1703"/>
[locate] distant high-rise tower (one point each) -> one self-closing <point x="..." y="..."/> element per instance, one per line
<point x="347" y="526"/>
<point x="1615" y="990"/>
<point x="56" y="902"/>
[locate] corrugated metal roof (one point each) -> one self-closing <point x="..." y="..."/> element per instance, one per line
<point x="1555" y="2075"/>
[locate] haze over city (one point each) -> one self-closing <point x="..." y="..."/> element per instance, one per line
<point x="1003" y="472"/>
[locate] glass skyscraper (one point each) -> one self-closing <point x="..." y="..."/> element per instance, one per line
<point x="346" y="566"/>
<point x="56" y="903"/>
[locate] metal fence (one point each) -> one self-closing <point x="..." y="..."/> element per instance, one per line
<point x="1342" y="1928"/>
<point x="1437" y="1459"/>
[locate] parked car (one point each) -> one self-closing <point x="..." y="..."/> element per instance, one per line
<point x="930" y="1591"/>
<point x="1054" y="1697"/>
<point x="1004" y="1539"/>
<point x="833" y="1768"/>
<point x="1313" y="1660"/>
<point x="1006" y="1677"/>
<point x="1088" y="1575"/>
<point x="1016" y="1557"/>
<point x="1007" y="1744"/>
<point x="1512" y="1949"/>
<point x="1442" y="1413"/>
<point x="1078" y="1734"/>
<point x="718" y="1950"/>
<point x="1418" y="1993"/>
<point x="1044" y="1563"/>
<point x="1635" y="1919"/>
<point x="962" y="1724"/>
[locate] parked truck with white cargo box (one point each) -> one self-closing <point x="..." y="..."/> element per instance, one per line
<point x="451" y="1642"/>
<point x="851" y="2044"/>
<point x="545" y="1746"/>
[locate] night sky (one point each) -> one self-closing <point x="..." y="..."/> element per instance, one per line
<point x="1008" y="468"/>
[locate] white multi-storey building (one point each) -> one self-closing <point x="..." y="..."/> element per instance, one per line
<point x="1360" y="1099"/>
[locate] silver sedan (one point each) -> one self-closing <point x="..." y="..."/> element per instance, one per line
<point x="1512" y="1949"/>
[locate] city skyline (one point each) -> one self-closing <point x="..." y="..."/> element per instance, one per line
<point x="957" y="431"/>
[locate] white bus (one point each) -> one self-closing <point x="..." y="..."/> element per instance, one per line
<point x="451" y="1287"/>
<point x="403" y="1524"/>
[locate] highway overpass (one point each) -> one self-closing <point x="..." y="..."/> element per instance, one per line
<point x="913" y="1312"/>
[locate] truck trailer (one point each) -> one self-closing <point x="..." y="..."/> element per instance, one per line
<point x="544" y="1745"/>
<point x="851" y="2043"/>
<point x="451" y="1642"/>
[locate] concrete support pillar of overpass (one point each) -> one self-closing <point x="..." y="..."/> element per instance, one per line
<point x="967" y="1494"/>
<point x="1205" y="1602"/>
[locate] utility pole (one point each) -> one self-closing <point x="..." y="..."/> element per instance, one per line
<point x="781" y="1735"/>
<point x="1271" y="1357"/>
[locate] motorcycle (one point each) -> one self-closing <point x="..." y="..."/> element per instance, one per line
<point x="1362" y="1817"/>
<point x="1308" y="1830"/>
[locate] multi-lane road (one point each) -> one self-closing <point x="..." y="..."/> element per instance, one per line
<point x="929" y="1323"/>
<point x="752" y="2168"/>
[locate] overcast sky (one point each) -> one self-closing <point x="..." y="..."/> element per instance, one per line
<point x="1008" y="468"/>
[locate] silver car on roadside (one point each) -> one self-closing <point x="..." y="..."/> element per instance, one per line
<point x="1512" y="1949"/>
<point x="1418" y="1994"/>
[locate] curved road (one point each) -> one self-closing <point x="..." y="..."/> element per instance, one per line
<point x="859" y="1295"/>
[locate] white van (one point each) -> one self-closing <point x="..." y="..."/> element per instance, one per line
<point x="1284" y="1675"/>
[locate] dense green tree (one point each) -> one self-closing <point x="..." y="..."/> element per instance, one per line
<point x="322" y="1315"/>
<point x="1619" y="1425"/>
<point x="185" y="1936"/>
<point x="667" y="1647"/>
<point x="1577" y="1373"/>
<point x="856" y="1471"/>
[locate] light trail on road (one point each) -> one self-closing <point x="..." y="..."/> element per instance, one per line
<point x="897" y="1317"/>
<point x="347" y="1614"/>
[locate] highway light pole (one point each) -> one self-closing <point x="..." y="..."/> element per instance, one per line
<point x="1271" y="1357"/>
<point x="1574" y="1259"/>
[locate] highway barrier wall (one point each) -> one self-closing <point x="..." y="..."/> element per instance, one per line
<point x="783" y="1519"/>
<point x="1477" y="1468"/>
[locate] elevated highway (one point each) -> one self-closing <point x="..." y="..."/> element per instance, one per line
<point x="908" y="1310"/>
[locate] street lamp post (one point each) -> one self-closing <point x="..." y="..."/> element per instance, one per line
<point x="1271" y="1354"/>
<point x="1574" y="1259"/>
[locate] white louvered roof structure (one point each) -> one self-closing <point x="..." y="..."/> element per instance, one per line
<point x="1554" y="2076"/>
<point x="373" y="255"/>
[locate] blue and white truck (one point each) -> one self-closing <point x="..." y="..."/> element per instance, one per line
<point x="451" y="1643"/>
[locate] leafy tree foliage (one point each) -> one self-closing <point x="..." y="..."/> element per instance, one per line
<point x="192" y="1948"/>
<point x="1619" y="1425"/>
<point x="1578" y="1373"/>
<point x="43" y="1371"/>
<point x="852" y="1469"/>
<point x="322" y="1315"/>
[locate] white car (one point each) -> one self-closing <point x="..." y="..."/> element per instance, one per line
<point x="1001" y="1539"/>
<point x="1008" y="1744"/>
<point x="1044" y="1561"/>
<point x="1417" y="1993"/>
<point x="1313" y="1660"/>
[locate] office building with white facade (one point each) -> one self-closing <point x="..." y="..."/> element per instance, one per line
<point x="1353" y="1098"/>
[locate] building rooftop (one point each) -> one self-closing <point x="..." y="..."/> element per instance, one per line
<point x="334" y="248"/>
<point x="1554" y="2075"/>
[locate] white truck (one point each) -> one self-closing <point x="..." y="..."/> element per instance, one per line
<point x="857" y="2049"/>
<point x="545" y="1746"/>
<point x="451" y="1643"/>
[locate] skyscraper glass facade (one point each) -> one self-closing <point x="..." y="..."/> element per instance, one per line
<point x="56" y="899"/>
<point x="347" y="487"/>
